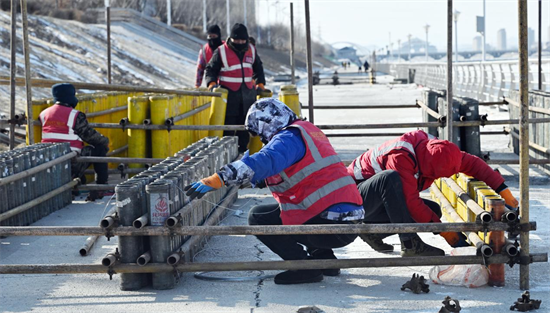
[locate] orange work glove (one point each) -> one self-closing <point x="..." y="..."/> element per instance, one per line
<point x="510" y="200"/>
<point x="454" y="239"/>
<point x="260" y="86"/>
<point x="200" y="188"/>
<point x="214" y="181"/>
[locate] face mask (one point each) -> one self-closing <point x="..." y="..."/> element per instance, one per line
<point x="214" y="42"/>
<point x="240" y="46"/>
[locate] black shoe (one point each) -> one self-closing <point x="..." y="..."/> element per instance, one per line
<point x="416" y="247"/>
<point x="325" y="254"/>
<point x="299" y="277"/>
<point x="375" y="242"/>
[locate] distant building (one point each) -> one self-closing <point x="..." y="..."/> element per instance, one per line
<point x="477" y="43"/>
<point x="347" y="53"/>
<point x="531" y="37"/>
<point x="501" y="39"/>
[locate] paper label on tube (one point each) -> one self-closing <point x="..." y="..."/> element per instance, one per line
<point x="122" y="203"/>
<point x="159" y="209"/>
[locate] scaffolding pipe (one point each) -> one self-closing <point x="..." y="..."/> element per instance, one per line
<point x="91" y="187"/>
<point x="37" y="169"/>
<point x="116" y="160"/>
<point x="531" y="161"/>
<point x="24" y="207"/>
<point x="13" y="70"/>
<point x="118" y="150"/>
<point x="106" y="112"/>
<point x="309" y="63"/>
<point x="90" y="241"/>
<point x="28" y="83"/>
<point x="531" y="144"/>
<point x="449" y="121"/>
<point x="255" y="229"/>
<point x="480" y="213"/>
<point x="440" y="118"/>
<point x="531" y="108"/>
<point x="524" y="139"/>
<point x="261" y="266"/>
<point x="47" y="83"/>
<point x="370" y="106"/>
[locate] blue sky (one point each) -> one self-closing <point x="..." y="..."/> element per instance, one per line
<point x="370" y="22"/>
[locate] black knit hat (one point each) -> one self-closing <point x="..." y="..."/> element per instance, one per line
<point x="238" y="31"/>
<point x="214" y="29"/>
<point x="64" y="93"/>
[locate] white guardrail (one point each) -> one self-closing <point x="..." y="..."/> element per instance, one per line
<point x="484" y="81"/>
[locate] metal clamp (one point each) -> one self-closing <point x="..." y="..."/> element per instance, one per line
<point x="122" y="168"/>
<point x="483" y="119"/>
<point x="169" y="123"/>
<point x="525" y="303"/>
<point x="123" y="123"/>
<point x="417" y="284"/>
<point x="448" y="307"/>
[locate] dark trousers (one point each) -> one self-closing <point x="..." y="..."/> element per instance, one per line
<point x="243" y="135"/>
<point x="101" y="169"/>
<point x="384" y="201"/>
<point x="289" y="247"/>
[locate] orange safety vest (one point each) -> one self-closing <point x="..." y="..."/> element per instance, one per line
<point x="316" y="182"/>
<point x="57" y="126"/>
<point x="233" y="73"/>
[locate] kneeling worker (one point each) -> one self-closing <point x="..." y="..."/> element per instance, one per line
<point x="307" y="179"/>
<point x="62" y="123"/>
<point x="391" y="176"/>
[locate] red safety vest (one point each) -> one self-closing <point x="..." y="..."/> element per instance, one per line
<point x="207" y="52"/>
<point x="314" y="183"/>
<point x="232" y="71"/>
<point x="57" y="126"/>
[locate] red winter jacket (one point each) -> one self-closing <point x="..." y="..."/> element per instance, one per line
<point x="419" y="159"/>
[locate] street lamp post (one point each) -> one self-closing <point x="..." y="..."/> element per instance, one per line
<point x="399" y="50"/>
<point x="455" y="18"/>
<point x="410" y="47"/>
<point x="427" y="28"/>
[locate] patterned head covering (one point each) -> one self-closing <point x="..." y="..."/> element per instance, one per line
<point x="266" y="117"/>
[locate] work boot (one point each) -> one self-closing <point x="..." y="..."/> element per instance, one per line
<point x="375" y="242"/>
<point x="325" y="254"/>
<point x="299" y="277"/>
<point x="416" y="247"/>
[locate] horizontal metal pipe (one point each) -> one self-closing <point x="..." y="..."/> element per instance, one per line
<point x="484" y="249"/>
<point x="37" y="169"/>
<point x="192" y="112"/>
<point x="483" y="215"/>
<point x="531" y="108"/>
<point x="144" y="258"/>
<point x="108" y="221"/>
<point x="173" y="258"/>
<point x="265" y="265"/>
<point x="117" y="160"/>
<point x="100" y="187"/>
<point x="499" y="122"/>
<point x="117" y="171"/>
<point x="532" y="144"/>
<point x="493" y="103"/>
<point x="90" y="241"/>
<point x="366" y="135"/>
<point x="26" y="206"/>
<point x="369" y="106"/>
<point x="498" y="132"/>
<point x="254" y="229"/>
<point x="428" y="110"/>
<point x="47" y="83"/>
<point x="118" y="150"/>
<point x="531" y="161"/>
<point x="106" y="112"/>
<point x="509" y="216"/>
<point x="108" y="260"/>
<point x="141" y="221"/>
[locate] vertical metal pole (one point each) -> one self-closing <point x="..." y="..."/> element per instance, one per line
<point x="523" y="140"/>
<point x="169" y="12"/>
<point x="450" y="71"/>
<point x="484" y="34"/>
<point x="292" y="65"/>
<point x="409" y="36"/>
<point x="456" y="35"/>
<point x="540" y="45"/>
<point x="204" y="16"/>
<point x="309" y="63"/>
<point x="108" y="21"/>
<point x="13" y="70"/>
<point x="28" y="86"/>
<point x="245" y="13"/>
<point x="228" y="19"/>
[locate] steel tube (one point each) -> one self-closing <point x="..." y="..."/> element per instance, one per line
<point x="117" y="160"/>
<point x="484" y="249"/>
<point x="492" y="103"/>
<point x="431" y="112"/>
<point x="13" y="70"/>
<point x="309" y="62"/>
<point x="116" y="171"/>
<point x="531" y="161"/>
<point x="292" y="62"/>
<point x="108" y="22"/>
<point x="496" y="271"/>
<point x="109" y="260"/>
<point x="532" y="144"/>
<point x="370" y="106"/>
<point x="192" y="112"/>
<point x="118" y="150"/>
<point x="47" y="83"/>
<point x="37" y="169"/>
<point x="28" y="83"/>
<point x="483" y="215"/>
<point x="106" y="112"/>
<point x="141" y="221"/>
<point x="531" y="108"/>
<point x="450" y="120"/>
<point x="26" y="206"/>
<point x="91" y="187"/>
<point x="254" y="230"/>
<point x="144" y="259"/>
<point x="90" y="241"/>
<point x="255" y="266"/>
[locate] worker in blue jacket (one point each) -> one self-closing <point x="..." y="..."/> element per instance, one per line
<point x="307" y="179"/>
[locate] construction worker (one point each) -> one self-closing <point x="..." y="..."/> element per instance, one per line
<point x="214" y="38"/>
<point x="411" y="163"/>
<point x="236" y="66"/>
<point x="306" y="178"/>
<point x="62" y="123"/>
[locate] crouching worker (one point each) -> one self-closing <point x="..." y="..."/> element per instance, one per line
<point x="392" y="175"/>
<point x="307" y="179"/>
<point x="62" y="123"/>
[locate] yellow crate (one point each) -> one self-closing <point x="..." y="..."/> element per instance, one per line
<point x="463" y="180"/>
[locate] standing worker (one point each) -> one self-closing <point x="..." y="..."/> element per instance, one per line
<point x="366" y="65"/>
<point x="62" y="123"/>
<point x="411" y="163"/>
<point x="235" y="65"/>
<point x="214" y="38"/>
<point x="307" y="179"/>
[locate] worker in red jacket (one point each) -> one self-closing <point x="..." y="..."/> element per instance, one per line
<point x="214" y="37"/>
<point x="414" y="161"/>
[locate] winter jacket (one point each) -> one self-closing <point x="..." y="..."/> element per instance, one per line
<point x="205" y="54"/>
<point x="420" y="160"/>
